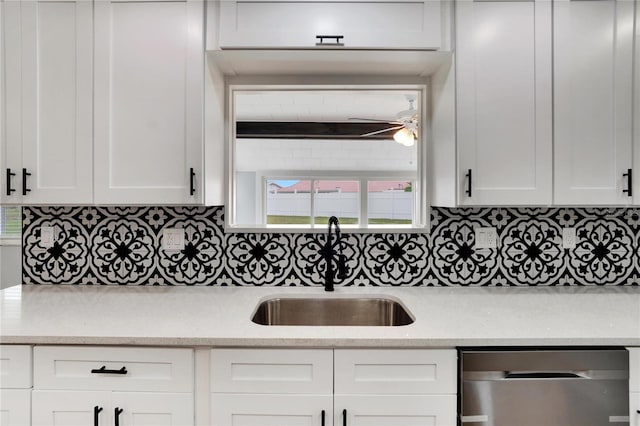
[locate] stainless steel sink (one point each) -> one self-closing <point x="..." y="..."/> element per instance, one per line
<point x="365" y="311"/>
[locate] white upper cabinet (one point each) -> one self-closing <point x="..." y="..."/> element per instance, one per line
<point x="504" y="119"/>
<point x="593" y="74"/>
<point x="390" y="24"/>
<point x="48" y="144"/>
<point x="149" y="102"/>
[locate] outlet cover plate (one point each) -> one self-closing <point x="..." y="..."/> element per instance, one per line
<point x="486" y="238"/>
<point x="568" y="238"/>
<point x="47" y="236"/>
<point x="173" y="239"/>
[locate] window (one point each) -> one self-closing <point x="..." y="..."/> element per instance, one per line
<point x="300" y="154"/>
<point x="10" y="223"/>
<point x="302" y="201"/>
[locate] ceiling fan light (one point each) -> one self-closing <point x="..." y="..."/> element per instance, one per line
<point x="404" y="137"/>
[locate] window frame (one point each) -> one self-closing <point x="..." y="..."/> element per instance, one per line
<point x="420" y="221"/>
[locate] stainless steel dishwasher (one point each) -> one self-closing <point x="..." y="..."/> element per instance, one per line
<point x="544" y="387"/>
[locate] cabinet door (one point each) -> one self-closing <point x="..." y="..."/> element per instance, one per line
<point x="11" y="135"/>
<point x="593" y="64"/>
<point x="15" y="407"/>
<point x="295" y="24"/>
<point x="271" y="410"/>
<point x="71" y="408"/>
<point x="400" y="410"/>
<point x="57" y="96"/>
<point x="504" y="102"/>
<point x="148" y="113"/>
<point x="634" y="408"/>
<point x="157" y="409"/>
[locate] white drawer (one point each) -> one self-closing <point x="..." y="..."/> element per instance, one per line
<point x="297" y="371"/>
<point x="113" y="368"/>
<point x="395" y="371"/>
<point x="634" y="369"/>
<point x="15" y="367"/>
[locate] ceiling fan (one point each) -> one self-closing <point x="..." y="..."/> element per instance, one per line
<point x="406" y="124"/>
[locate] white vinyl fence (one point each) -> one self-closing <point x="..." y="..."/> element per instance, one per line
<point x="382" y="205"/>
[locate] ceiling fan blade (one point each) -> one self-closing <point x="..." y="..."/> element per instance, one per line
<point x="375" y="120"/>
<point x="381" y="131"/>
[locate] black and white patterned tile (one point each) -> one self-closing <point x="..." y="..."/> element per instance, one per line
<point x="124" y="245"/>
<point x="310" y="259"/>
<point x="456" y="259"/>
<point x="258" y="259"/>
<point x="531" y="251"/>
<point x="395" y="259"/>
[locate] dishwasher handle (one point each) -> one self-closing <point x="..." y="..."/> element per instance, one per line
<point x="515" y="375"/>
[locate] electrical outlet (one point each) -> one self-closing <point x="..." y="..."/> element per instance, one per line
<point x="173" y="239"/>
<point x="47" y="236"/>
<point x="568" y="238"/>
<point x="486" y="238"/>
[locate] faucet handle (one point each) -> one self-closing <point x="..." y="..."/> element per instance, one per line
<point x="343" y="271"/>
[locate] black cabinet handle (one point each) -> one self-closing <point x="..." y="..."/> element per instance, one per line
<point x="344" y="417"/>
<point x="468" y="176"/>
<point x="192" y="185"/>
<point x="25" y="189"/>
<point x="322" y="418"/>
<point x="96" y="411"/>
<point x="9" y="176"/>
<point x="337" y="39"/>
<point x="116" y="414"/>
<point x="103" y="370"/>
<point x="629" y="176"/>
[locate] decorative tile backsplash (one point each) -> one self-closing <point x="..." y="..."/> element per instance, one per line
<point x="123" y="246"/>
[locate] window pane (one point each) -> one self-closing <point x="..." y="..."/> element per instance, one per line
<point x="340" y="198"/>
<point x="288" y="202"/>
<point x="11" y="223"/>
<point x="390" y="202"/>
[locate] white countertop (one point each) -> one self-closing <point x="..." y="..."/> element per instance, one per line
<point x="220" y="316"/>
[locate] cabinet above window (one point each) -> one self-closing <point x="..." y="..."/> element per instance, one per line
<point x="303" y="24"/>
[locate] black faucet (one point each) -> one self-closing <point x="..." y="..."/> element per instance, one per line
<point x="328" y="253"/>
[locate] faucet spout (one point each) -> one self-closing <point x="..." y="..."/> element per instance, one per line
<point x="328" y="252"/>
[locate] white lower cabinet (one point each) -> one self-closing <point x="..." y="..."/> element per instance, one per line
<point x="396" y="410"/>
<point x="15" y="385"/>
<point x="70" y="408"/>
<point x="398" y="387"/>
<point x="118" y="386"/>
<point x="634" y="386"/>
<point x="634" y="405"/>
<point x="271" y="410"/>
<point x="15" y="407"/>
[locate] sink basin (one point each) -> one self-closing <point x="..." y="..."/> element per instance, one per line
<point x="365" y="311"/>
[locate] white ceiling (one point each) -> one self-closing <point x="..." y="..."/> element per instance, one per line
<point x="321" y="105"/>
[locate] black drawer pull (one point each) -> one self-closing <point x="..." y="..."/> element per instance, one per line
<point x="322" y="418"/>
<point x="337" y="39"/>
<point x="96" y="411"/>
<point x="117" y="413"/>
<point x="629" y="176"/>
<point x="344" y="417"/>
<point x="25" y="189"/>
<point x="103" y="370"/>
<point x="9" y="176"/>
